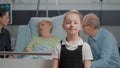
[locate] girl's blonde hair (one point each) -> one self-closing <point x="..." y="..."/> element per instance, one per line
<point x="75" y="12"/>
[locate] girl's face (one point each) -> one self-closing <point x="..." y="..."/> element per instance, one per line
<point x="72" y="24"/>
<point x="5" y="19"/>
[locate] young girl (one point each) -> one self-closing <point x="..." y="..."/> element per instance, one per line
<point x="72" y="52"/>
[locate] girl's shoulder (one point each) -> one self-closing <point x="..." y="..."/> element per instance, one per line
<point x="85" y="44"/>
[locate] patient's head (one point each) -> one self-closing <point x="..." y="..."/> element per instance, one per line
<point x="45" y="27"/>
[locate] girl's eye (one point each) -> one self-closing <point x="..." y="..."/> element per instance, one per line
<point x="67" y="22"/>
<point x="75" y="22"/>
<point x="42" y="24"/>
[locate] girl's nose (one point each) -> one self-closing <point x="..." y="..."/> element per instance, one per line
<point x="72" y="24"/>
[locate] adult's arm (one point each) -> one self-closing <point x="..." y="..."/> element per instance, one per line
<point x="108" y="43"/>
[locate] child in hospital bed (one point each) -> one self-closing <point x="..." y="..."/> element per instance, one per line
<point x="43" y="43"/>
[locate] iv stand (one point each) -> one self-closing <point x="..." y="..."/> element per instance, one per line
<point x="47" y="8"/>
<point x="37" y="10"/>
<point x="101" y="11"/>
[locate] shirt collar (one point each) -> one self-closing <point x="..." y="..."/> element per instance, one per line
<point x="80" y="42"/>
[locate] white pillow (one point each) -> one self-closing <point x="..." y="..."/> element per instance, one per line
<point x="57" y="29"/>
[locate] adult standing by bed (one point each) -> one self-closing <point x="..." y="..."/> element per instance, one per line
<point x="103" y="43"/>
<point x="5" y="41"/>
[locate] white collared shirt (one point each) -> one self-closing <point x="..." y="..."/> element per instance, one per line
<point x="86" y="50"/>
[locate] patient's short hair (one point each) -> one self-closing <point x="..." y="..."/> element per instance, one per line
<point x="46" y="21"/>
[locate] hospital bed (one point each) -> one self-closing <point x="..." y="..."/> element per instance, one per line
<point x="25" y="32"/>
<point x="25" y="63"/>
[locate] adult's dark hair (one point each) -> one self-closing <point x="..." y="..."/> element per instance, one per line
<point x="2" y="12"/>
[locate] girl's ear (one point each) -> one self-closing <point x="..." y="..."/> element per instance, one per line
<point x="62" y="25"/>
<point x="80" y="26"/>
